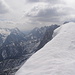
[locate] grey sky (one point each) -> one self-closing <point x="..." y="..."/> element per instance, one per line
<point x="51" y="1"/>
<point x="3" y="8"/>
<point x="27" y="14"/>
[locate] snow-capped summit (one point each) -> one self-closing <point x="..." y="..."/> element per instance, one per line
<point x="4" y="32"/>
<point x="57" y="57"/>
<point x="16" y="31"/>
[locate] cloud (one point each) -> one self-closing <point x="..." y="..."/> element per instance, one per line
<point x="3" y="7"/>
<point x="48" y="1"/>
<point x="32" y="1"/>
<point x="49" y="14"/>
<point x="7" y="24"/>
<point x="32" y="13"/>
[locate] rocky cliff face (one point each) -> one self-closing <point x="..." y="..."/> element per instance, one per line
<point x="16" y="47"/>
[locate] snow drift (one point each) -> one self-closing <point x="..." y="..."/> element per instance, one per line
<point x="57" y="57"/>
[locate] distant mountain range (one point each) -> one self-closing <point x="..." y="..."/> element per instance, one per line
<point x="16" y="47"/>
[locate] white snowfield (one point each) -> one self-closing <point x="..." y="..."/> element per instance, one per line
<point x="57" y="57"/>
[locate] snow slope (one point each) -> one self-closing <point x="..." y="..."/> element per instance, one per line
<point x="57" y="57"/>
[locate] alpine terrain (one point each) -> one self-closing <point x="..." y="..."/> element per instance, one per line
<point x="57" y="57"/>
<point x="16" y="46"/>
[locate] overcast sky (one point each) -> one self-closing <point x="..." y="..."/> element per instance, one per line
<point x="27" y="14"/>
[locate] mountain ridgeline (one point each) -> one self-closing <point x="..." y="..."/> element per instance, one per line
<point x="16" y="47"/>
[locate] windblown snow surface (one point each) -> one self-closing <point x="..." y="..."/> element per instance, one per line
<point x="57" y="57"/>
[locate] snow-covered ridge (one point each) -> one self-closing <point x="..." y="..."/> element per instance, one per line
<point x="57" y="57"/>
